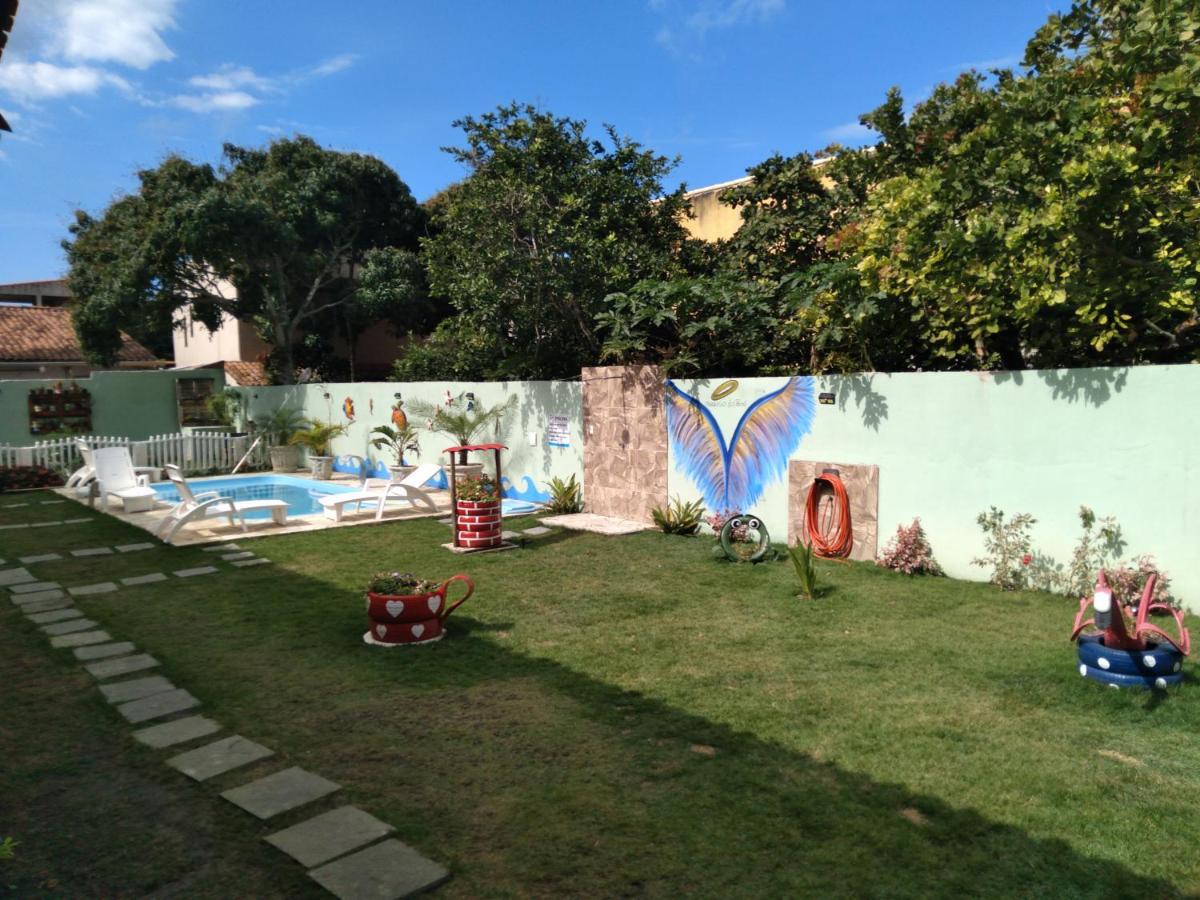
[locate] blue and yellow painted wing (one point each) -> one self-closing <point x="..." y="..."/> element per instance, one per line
<point x="698" y="444"/>
<point x="765" y="437"/>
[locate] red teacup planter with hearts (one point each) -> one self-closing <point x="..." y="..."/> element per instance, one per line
<point x="397" y="619"/>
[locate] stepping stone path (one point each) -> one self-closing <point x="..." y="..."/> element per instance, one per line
<point x="280" y="792"/>
<point x="329" y="835"/>
<point x="157" y="706"/>
<point x="144" y="579"/>
<point x="221" y="548"/>
<point x="536" y="530"/>
<point x="176" y="731"/>
<point x="68" y="627"/>
<point x="219" y="757"/>
<point x="385" y="869"/>
<point x="389" y="869"/>
<point x="104" y="587"/>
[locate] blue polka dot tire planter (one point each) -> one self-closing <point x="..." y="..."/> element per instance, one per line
<point x="1155" y="659"/>
<point x="1143" y="682"/>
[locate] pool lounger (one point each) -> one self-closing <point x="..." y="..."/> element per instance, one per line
<point x="380" y="492"/>
<point x="208" y="504"/>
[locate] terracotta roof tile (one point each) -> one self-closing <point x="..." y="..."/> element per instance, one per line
<point x="45" y="334"/>
<point x="246" y="373"/>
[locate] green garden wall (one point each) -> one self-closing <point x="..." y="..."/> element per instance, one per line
<point x="527" y="467"/>
<point x="949" y="445"/>
<point x="135" y="405"/>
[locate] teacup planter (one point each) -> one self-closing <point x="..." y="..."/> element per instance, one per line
<point x="402" y="609"/>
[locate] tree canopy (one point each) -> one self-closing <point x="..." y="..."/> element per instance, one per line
<point x="275" y="236"/>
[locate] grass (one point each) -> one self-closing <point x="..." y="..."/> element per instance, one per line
<point x="626" y="716"/>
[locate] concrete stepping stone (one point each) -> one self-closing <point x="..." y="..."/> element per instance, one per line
<point x="243" y="563"/>
<point x="70" y="626"/>
<point x="14" y="505"/>
<point x="76" y="521"/>
<point x="52" y="502"/>
<point x="26" y="599"/>
<point x="93" y="551"/>
<point x="103" y="651"/>
<point x="192" y="573"/>
<point x="144" y="579"/>
<point x="157" y="706"/>
<point x="80" y="639"/>
<point x="19" y="575"/>
<point x="30" y="587"/>
<point x="509" y="535"/>
<point x="133" y="548"/>
<point x="221" y="548"/>
<point x="329" y="835"/>
<point x="135" y="688"/>
<point x="110" y="668"/>
<point x="57" y="615"/>
<point x="536" y="530"/>
<point x="15" y="525"/>
<point x="243" y="554"/>
<point x="40" y="606"/>
<point x="40" y="558"/>
<point x="280" y="792"/>
<point x="387" y="870"/>
<point x="104" y="587"/>
<point x="45" y="524"/>
<point x="168" y="734"/>
<point x="218" y="757"/>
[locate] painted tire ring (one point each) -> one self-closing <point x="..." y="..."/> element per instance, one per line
<point x="1116" y="680"/>
<point x="406" y="632"/>
<point x="370" y="639"/>
<point x="1161" y="659"/>
<point x="474" y="542"/>
<point x="488" y="528"/>
<point x="727" y="542"/>
<point x="408" y="609"/>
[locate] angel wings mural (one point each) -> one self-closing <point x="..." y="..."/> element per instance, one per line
<point x="734" y="475"/>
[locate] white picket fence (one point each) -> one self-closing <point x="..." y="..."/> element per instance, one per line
<point x="191" y="452"/>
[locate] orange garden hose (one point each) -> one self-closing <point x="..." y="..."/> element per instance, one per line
<point x="831" y="534"/>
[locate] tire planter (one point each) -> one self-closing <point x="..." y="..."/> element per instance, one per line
<point x="478" y="524"/>
<point x="397" y="620"/>
<point x="1156" y="660"/>
<point x="731" y="547"/>
<point x="1117" y="680"/>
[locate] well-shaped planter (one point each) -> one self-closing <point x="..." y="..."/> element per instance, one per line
<point x="398" y="619"/>
<point x="285" y="458"/>
<point x="479" y="523"/>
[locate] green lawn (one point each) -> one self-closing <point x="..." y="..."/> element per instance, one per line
<point x="625" y="716"/>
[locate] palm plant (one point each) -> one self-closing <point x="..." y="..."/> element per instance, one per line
<point x="804" y="562"/>
<point x="280" y="426"/>
<point x="460" y="419"/>
<point x="318" y="436"/>
<point x="396" y="440"/>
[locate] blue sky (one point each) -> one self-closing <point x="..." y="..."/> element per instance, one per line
<point x="96" y="89"/>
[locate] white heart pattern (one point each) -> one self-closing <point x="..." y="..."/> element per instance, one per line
<point x="435" y="603"/>
<point x="394" y="607"/>
<point x="381" y="630"/>
<point x="418" y="630"/>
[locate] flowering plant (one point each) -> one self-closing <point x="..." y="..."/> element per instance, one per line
<point x="1128" y="580"/>
<point x="909" y="552"/>
<point x="717" y="520"/>
<point x="400" y="583"/>
<point x="476" y="487"/>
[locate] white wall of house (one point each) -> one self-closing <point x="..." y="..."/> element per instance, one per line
<point x="195" y="345"/>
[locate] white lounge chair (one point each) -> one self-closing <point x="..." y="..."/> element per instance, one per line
<point x="116" y="477"/>
<point x="379" y="492"/>
<point x="83" y="477"/>
<point x="194" y="507"/>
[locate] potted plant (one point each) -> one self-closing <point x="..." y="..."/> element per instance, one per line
<point x="398" y="441"/>
<point x="277" y="429"/>
<point x="405" y="609"/>
<point x="462" y="419"/>
<point x="225" y="408"/>
<point x="477" y="512"/>
<point x="316" y="438"/>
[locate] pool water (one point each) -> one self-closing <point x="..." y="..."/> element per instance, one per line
<point x="302" y="495"/>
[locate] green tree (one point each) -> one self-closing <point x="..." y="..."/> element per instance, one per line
<point x="548" y="222"/>
<point x="276" y="236"/>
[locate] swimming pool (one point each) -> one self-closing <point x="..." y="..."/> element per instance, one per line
<point x="302" y="495"/>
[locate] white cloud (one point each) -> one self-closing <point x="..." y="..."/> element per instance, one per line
<point x="216" y="101"/>
<point x="31" y="82"/>
<point x="126" y="32"/>
<point x="849" y="131"/>
<point x="690" y="22"/>
<point x="334" y="64"/>
<point x="230" y="77"/>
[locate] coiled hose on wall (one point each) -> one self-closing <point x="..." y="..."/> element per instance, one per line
<point x="829" y="529"/>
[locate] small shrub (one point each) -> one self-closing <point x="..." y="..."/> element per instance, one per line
<point x="476" y="487"/>
<point x="565" y="496"/>
<point x="22" y="478"/>
<point x="909" y="552"/>
<point x="8" y="848"/>
<point x="716" y="522"/>
<point x="804" y="562"/>
<point x="1128" y="580"/>
<point x="400" y="583"/>
<point x="679" y="517"/>
<point x="1007" y="548"/>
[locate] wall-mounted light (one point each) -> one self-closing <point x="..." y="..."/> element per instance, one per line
<point x="397" y="395"/>
<point x="326" y="396"/>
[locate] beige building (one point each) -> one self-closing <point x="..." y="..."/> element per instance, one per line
<point x="712" y="220"/>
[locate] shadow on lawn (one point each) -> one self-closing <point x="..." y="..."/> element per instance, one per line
<point x="798" y="822"/>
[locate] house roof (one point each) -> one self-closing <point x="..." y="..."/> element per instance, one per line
<point x="245" y="373"/>
<point x="46" y="334"/>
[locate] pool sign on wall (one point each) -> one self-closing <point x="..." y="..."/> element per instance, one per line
<point x="558" y="431"/>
